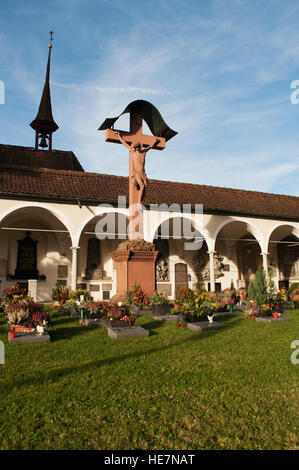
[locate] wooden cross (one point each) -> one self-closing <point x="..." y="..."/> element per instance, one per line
<point x="135" y="136"/>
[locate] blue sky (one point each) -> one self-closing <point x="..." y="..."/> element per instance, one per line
<point x="219" y="71"/>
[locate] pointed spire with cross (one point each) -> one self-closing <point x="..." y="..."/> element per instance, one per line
<point x="44" y="124"/>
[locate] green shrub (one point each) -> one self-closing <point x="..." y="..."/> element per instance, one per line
<point x="258" y="289"/>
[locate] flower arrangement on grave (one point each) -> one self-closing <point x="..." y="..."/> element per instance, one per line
<point x="136" y="296"/>
<point x="129" y="318"/>
<point x="78" y="293"/>
<point x="251" y="310"/>
<point x="230" y="303"/>
<point x="70" y="306"/>
<point x="290" y="292"/>
<point x="13" y="294"/>
<point x="282" y="294"/>
<point x="114" y="312"/>
<point x="218" y="301"/>
<point x="294" y="296"/>
<point x="159" y="299"/>
<point x="28" y="314"/>
<point x="184" y="294"/>
<point x="206" y="309"/>
<point x="60" y="293"/>
<point x="242" y="293"/>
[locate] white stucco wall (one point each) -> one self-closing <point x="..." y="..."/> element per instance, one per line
<point x="55" y="249"/>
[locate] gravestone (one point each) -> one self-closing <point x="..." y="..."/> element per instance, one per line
<point x="204" y="325"/>
<point x="26" y="338"/>
<point x="272" y="320"/>
<point x="133" y="332"/>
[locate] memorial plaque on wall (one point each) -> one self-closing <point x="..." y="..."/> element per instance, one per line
<point x="61" y="270"/>
<point x="106" y="286"/>
<point x="164" y="289"/>
<point x="94" y="287"/>
<point x="106" y="295"/>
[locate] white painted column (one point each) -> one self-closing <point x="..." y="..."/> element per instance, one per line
<point x="32" y="288"/>
<point x="265" y="262"/>
<point x="74" y="266"/>
<point x="212" y="271"/>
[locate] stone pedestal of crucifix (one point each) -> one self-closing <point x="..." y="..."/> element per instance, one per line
<point x="135" y="258"/>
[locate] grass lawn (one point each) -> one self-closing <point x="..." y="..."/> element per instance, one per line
<point x="232" y="388"/>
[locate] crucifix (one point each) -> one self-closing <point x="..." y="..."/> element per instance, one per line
<point x="138" y="144"/>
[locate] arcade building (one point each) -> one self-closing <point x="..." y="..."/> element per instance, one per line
<point x="50" y="211"/>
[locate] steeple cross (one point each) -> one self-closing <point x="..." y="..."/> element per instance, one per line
<point x="51" y="38"/>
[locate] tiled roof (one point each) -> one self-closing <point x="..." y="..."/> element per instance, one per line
<point x="94" y="188"/>
<point x="29" y="157"/>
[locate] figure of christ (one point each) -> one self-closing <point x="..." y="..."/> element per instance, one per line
<point x="137" y="175"/>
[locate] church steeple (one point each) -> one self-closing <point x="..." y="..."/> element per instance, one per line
<point x="44" y="124"/>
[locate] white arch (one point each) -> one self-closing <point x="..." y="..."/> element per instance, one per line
<point x="253" y="230"/>
<point x="169" y="216"/>
<point x="55" y="212"/>
<point x="281" y="224"/>
<point x="100" y="210"/>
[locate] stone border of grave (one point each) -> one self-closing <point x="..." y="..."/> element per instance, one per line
<point x="27" y="338"/>
<point x="130" y="332"/>
<point x="271" y="319"/>
<point x="204" y="325"/>
<point x="228" y="314"/>
<point x="169" y="317"/>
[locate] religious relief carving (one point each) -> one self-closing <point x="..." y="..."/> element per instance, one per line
<point x="135" y="245"/>
<point x="201" y="264"/>
<point x="162" y="271"/>
<point x="162" y="268"/>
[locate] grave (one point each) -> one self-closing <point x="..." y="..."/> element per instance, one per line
<point x="94" y="322"/>
<point x="130" y="332"/>
<point x="168" y="317"/>
<point x="271" y="319"/>
<point x="101" y="322"/>
<point x="26" y="338"/>
<point x="204" y="325"/>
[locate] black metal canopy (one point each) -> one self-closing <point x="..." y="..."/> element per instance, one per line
<point x="151" y="116"/>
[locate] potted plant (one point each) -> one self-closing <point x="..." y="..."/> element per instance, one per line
<point x="160" y="304"/>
